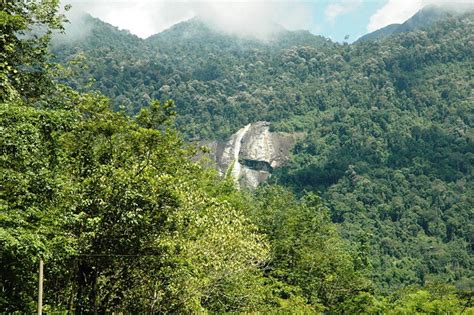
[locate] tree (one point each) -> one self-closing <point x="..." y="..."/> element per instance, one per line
<point x="26" y="28"/>
<point x="309" y="259"/>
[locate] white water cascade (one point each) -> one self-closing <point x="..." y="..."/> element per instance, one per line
<point x="237" y="144"/>
<point x="261" y="149"/>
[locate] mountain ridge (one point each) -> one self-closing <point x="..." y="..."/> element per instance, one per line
<point x="425" y="17"/>
<point x="195" y="27"/>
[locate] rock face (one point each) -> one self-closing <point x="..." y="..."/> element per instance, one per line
<point x="252" y="153"/>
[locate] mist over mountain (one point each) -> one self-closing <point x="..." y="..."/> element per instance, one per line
<point x="191" y="50"/>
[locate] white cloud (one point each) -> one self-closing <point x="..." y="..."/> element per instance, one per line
<point x="339" y="8"/>
<point x="398" y="11"/>
<point x="147" y="17"/>
<point x="141" y="17"/>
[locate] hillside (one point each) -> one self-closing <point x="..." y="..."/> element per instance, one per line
<point x="388" y="125"/>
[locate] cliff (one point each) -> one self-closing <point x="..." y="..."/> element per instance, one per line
<point x="252" y="153"/>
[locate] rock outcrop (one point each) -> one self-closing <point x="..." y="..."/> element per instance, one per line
<point x="252" y="153"/>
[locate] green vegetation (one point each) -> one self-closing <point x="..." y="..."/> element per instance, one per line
<point x="388" y="145"/>
<point x="126" y="221"/>
<point x="391" y="150"/>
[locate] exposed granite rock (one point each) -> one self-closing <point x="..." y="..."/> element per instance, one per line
<point x="252" y="153"/>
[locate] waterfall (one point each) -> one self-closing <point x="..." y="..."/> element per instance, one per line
<point x="236" y="148"/>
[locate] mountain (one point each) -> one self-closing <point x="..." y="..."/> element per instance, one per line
<point x="386" y="125"/>
<point x="368" y="209"/>
<point x="134" y="71"/>
<point x="197" y="31"/>
<point x="422" y="19"/>
<point x="86" y="32"/>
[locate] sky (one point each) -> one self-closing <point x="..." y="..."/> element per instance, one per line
<point x="340" y="20"/>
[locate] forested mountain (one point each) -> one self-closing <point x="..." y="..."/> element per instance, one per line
<point x="374" y="213"/>
<point x="388" y="123"/>
<point x="219" y="82"/>
<point x="390" y="148"/>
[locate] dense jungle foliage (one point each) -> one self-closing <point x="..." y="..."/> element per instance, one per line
<point x="126" y="221"/>
<point x="388" y="144"/>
